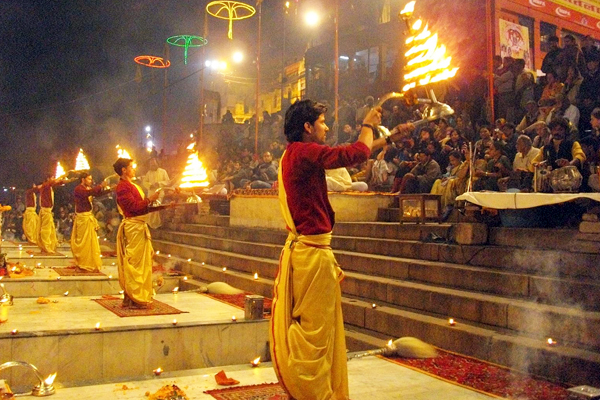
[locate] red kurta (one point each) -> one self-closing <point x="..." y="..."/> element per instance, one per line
<point x="130" y="201"/>
<point x="303" y="170"/>
<point x="30" y="197"/>
<point x="46" y="198"/>
<point x="82" y="197"/>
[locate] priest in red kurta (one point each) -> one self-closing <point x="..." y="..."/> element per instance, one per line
<point x="31" y="219"/>
<point x="47" y="239"/>
<point x="308" y="345"/>
<point x="84" y="238"/>
<point x="134" y="245"/>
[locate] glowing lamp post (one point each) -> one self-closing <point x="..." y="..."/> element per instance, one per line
<point x="230" y="10"/>
<point x="186" y="41"/>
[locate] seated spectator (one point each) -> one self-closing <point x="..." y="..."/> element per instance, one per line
<point x="483" y="144"/>
<point x="572" y="85"/>
<point x="263" y="175"/>
<point x="561" y="152"/>
<point x="452" y="183"/>
<point x="442" y="130"/>
<point x="498" y="166"/>
<point x="383" y="169"/>
<point x="421" y="177"/>
<point x="521" y="176"/>
<point x="64" y="225"/>
<point x="532" y="115"/>
<point x="563" y="108"/>
<point x="236" y="179"/>
<point x="455" y="142"/>
<point x="509" y="137"/>
<point x="553" y="88"/>
<point x="339" y="180"/>
<point x="542" y="134"/>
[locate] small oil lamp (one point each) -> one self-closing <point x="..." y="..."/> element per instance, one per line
<point x="451" y="321"/>
<point x="224" y="269"/>
<point x="66" y="293"/>
<point x="373" y="305"/>
<point x="97" y="326"/>
<point x="175" y="290"/>
<point x="256" y="276"/>
<point x="233" y="318"/>
<point x="551" y="342"/>
<point x="255" y="363"/>
<point x="158" y="371"/>
<point x="174" y="322"/>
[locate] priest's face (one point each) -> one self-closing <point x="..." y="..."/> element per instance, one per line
<point x="87" y="181"/>
<point x="317" y="132"/>
<point x="129" y="171"/>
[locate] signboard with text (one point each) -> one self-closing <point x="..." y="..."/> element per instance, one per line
<point x="582" y="12"/>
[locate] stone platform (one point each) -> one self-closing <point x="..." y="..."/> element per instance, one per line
<point x="62" y="337"/>
<point x="264" y="211"/>
<point x="369" y="378"/>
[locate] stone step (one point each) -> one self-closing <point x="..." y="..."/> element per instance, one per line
<point x="565" y="324"/>
<point x="525" y="351"/>
<point x="561" y="362"/>
<point x="546" y="289"/>
<point x="553" y="263"/>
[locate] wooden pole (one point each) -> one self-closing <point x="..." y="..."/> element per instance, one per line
<point x="489" y="23"/>
<point x="257" y="105"/>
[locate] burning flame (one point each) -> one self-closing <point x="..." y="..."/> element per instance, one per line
<point x="60" y="171"/>
<point x="256" y="362"/>
<point x="122" y="153"/>
<point x="390" y="344"/>
<point x="194" y="174"/>
<point x="50" y="379"/>
<point x="426" y="59"/>
<point x="81" y="162"/>
<point x="408" y="9"/>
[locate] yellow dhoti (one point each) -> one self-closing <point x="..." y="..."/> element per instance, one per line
<point x="308" y="344"/>
<point x="31" y="224"/>
<point x="84" y="242"/>
<point x="134" y="258"/>
<point x="47" y="235"/>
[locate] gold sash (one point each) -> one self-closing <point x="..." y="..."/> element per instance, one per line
<point x="31" y="224"/>
<point x="134" y="257"/>
<point x="308" y="344"/>
<point x="47" y="233"/>
<point x="84" y="242"/>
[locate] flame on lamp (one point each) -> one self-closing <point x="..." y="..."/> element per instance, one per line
<point x="408" y="10"/>
<point x="426" y="59"/>
<point x="81" y="162"/>
<point x="255" y="362"/>
<point x="50" y="379"/>
<point x="194" y="174"/>
<point x="122" y="153"/>
<point x="390" y="344"/>
<point x="60" y="171"/>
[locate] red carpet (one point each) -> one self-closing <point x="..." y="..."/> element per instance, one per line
<point x="75" y="271"/>
<point x="239" y="301"/>
<point x="113" y="304"/>
<point x="484" y="377"/>
<point x="264" y="391"/>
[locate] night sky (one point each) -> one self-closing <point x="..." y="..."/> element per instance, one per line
<point x="68" y="76"/>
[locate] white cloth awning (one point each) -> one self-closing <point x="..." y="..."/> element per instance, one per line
<point x="503" y="201"/>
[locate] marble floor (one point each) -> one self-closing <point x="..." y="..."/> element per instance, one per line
<point x="370" y="378"/>
<point x="80" y="313"/>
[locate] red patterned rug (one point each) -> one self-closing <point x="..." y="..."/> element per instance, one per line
<point x="239" y="301"/>
<point x="114" y="304"/>
<point x="484" y="377"/>
<point x="265" y="391"/>
<point x="76" y="271"/>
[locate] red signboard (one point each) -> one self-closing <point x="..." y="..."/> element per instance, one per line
<point x="582" y="12"/>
